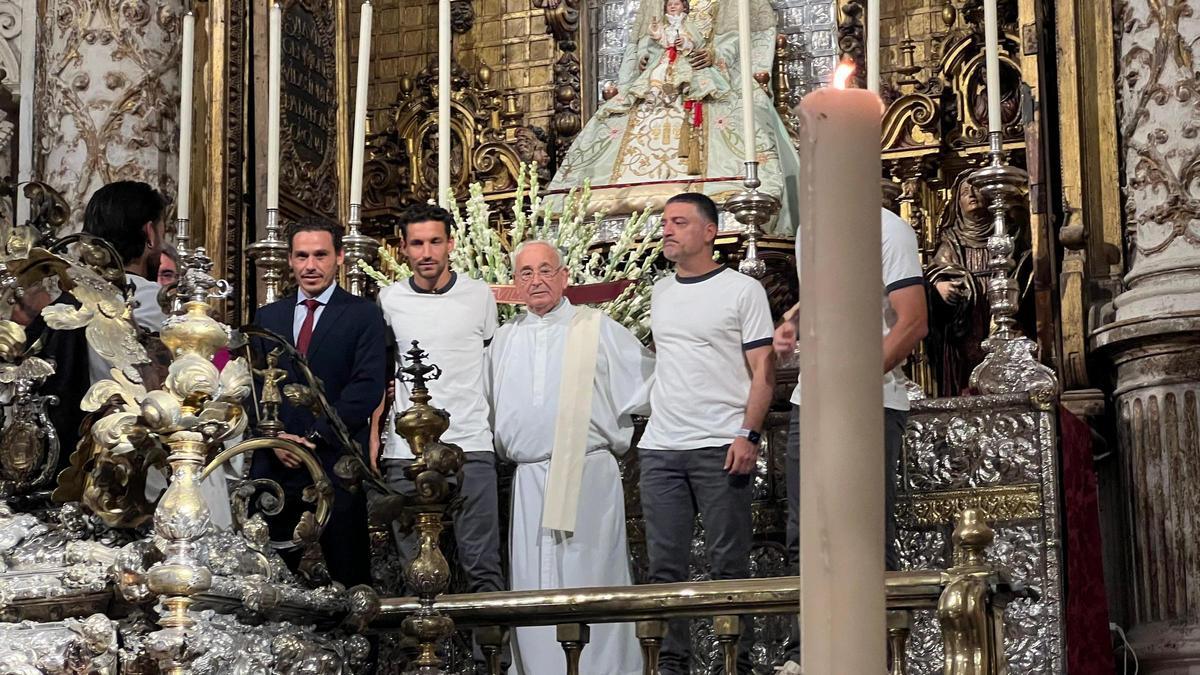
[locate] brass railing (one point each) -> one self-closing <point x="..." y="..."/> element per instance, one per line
<point x="969" y="600"/>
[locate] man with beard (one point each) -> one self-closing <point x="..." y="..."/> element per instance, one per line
<point x="453" y="317"/>
<point x="713" y="378"/>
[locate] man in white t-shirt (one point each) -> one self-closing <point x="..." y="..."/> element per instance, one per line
<point x="713" y="378"/>
<point x="453" y="317"/>
<point x="904" y="326"/>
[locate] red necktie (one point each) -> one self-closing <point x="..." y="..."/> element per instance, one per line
<point x="306" y="328"/>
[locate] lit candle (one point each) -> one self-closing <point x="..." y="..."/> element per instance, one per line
<point x="360" y="104"/>
<point x="746" y="58"/>
<point x="185" y="116"/>
<point x="275" y="52"/>
<point x="443" y="128"/>
<point x="991" y="43"/>
<point x="872" y="56"/>
<point x="841" y="357"/>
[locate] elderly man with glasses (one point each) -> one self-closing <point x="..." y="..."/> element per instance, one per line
<point x="565" y="382"/>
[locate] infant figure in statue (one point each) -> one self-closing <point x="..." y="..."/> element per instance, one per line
<point x="666" y="68"/>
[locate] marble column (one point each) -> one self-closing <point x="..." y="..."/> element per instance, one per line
<point x="1154" y="340"/>
<point x="106" y="96"/>
<point x="12" y="24"/>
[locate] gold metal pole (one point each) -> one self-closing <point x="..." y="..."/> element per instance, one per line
<point x="728" y="628"/>
<point x="651" y="634"/>
<point x="573" y="637"/>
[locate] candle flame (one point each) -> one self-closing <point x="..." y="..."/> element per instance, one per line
<point x="841" y="76"/>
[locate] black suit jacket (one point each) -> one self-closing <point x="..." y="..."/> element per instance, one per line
<point x="348" y="354"/>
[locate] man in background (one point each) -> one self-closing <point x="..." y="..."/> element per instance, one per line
<point x="904" y="326"/>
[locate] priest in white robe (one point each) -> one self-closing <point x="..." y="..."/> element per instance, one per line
<point x="548" y="369"/>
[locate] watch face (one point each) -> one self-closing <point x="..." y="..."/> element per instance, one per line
<point x="754" y="437"/>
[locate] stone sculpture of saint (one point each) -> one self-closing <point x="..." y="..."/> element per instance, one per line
<point x="675" y="122"/>
<point x="960" y="314"/>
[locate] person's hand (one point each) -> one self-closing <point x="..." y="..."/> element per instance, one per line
<point x="645" y="60"/>
<point x="951" y="291"/>
<point x="289" y="458"/>
<point x="700" y="58"/>
<point x="742" y="457"/>
<point x="679" y="42"/>
<point x="784" y="340"/>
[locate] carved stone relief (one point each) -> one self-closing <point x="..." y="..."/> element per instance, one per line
<point x="107" y="95"/>
<point x="11" y="16"/>
<point x="1153" y="340"/>
<point x="1159" y="102"/>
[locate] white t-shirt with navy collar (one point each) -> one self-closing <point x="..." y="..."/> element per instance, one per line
<point x="454" y="324"/>
<point x="702" y="327"/>
<point x="901" y="269"/>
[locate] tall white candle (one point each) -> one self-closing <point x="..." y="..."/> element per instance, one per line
<point x="274" y="85"/>
<point x="360" y="104"/>
<point x="746" y="59"/>
<point x="873" y="55"/>
<point x="991" y="42"/>
<point x="444" y="36"/>
<point x="182" y="200"/>
<point x="841" y="371"/>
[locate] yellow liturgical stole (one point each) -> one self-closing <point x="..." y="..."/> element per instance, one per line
<point x="573" y="421"/>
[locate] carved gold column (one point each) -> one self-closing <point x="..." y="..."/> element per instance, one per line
<point x="1155" y="332"/>
<point x="563" y="21"/>
<point x="107" y="95"/>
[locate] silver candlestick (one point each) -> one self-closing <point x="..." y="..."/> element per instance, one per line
<point x="270" y="256"/>
<point x="1011" y="363"/>
<point x="183" y="238"/>
<point x="358" y="246"/>
<point x="752" y="209"/>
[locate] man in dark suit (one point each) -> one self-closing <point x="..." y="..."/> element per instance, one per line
<point x="343" y="339"/>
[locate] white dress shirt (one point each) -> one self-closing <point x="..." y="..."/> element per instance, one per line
<point x="301" y="311"/>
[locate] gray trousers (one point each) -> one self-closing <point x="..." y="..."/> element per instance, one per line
<point x="675" y="484"/>
<point x="894" y="422"/>
<point x="476" y="524"/>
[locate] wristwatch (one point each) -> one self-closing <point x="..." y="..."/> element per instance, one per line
<point x="751" y="435"/>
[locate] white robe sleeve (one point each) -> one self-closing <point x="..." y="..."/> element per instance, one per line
<point x="625" y="378"/>
<point x="493" y="359"/>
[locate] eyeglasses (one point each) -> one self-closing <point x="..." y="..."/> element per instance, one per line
<point x="546" y="272"/>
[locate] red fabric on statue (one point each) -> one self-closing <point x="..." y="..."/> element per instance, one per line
<point x="1087" y="639"/>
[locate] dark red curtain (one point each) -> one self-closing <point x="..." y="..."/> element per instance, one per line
<point x="1089" y="647"/>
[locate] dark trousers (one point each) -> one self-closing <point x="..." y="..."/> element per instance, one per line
<point x="345" y="543"/>
<point x="894" y="422"/>
<point x="675" y="484"/>
<point x="476" y="525"/>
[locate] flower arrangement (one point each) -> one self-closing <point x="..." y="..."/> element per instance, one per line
<point x="485" y="253"/>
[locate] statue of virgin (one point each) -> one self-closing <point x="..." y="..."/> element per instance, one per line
<point x="674" y="124"/>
